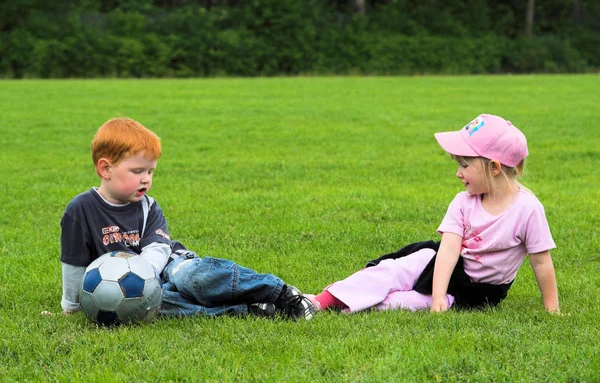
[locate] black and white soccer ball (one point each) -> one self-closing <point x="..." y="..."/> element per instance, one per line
<point x="120" y="288"/>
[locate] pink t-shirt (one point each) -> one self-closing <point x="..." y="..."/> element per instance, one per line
<point x="494" y="247"/>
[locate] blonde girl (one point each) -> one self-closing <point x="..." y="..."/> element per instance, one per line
<point x="487" y="232"/>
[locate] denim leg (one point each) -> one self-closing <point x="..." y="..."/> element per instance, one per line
<point x="176" y="305"/>
<point x="214" y="282"/>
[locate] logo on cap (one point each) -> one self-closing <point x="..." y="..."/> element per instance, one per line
<point x="473" y="126"/>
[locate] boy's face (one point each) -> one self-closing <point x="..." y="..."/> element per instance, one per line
<point x="128" y="180"/>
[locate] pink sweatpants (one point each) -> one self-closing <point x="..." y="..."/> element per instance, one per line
<point x="387" y="285"/>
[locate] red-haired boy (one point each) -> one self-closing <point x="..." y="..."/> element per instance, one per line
<point x="120" y="216"/>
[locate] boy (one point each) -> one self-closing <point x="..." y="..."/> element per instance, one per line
<point x="119" y="215"/>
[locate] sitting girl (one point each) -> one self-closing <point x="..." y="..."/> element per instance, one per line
<point x="486" y="234"/>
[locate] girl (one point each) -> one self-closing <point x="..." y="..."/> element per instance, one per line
<point x="486" y="234"/>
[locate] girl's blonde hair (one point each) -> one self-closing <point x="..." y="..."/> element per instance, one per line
<point x="122" y="137"/>
<point x="509" y="174"/>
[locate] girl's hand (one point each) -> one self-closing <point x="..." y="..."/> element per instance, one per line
<point x="447" y="256"/>
<point x="439" y="305"/>
<point x="543" y="269"/>
<point x="555" y="312"/>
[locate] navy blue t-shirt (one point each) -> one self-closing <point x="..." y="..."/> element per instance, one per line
<point x="92" y="227"/>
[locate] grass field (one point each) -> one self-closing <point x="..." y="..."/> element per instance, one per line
<point x="306" y="178"/>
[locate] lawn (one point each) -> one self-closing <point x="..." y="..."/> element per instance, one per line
<point x="305" y="178"/>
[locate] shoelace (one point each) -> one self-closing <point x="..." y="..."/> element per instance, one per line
<point x="293" y="302"/>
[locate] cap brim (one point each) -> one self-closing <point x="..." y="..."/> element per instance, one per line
<point x="454" y="143"/>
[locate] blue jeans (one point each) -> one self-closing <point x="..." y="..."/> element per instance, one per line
<point x="213" y="286"/>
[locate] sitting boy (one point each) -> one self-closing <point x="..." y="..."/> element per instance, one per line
<point x="120" y="216"/>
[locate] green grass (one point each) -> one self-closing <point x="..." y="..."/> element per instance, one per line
<point x="306" y="178"/>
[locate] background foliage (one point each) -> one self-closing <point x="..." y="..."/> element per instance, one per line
<point x="191" y="38"/>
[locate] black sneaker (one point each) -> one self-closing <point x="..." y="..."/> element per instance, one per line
<point x="262" y="309"/>
<point x="292" y="304"/>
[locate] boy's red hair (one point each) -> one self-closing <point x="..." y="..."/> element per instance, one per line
<point x="122" y="137"/>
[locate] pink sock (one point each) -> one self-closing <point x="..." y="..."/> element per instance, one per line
<point x="327" y="300"/>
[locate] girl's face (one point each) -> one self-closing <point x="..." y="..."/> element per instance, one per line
<point x="128" y="180"/>
<point x="472" y="179"/>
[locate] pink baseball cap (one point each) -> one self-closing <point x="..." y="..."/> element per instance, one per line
<point x="487" y="136"/>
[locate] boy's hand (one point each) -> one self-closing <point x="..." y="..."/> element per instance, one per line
<point x="49" y="313"/>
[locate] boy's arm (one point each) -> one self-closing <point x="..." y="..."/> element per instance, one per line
<point x="156" y="243"/>
<point x="71" y="277"/>
<point x="445" y="262"/>
<point x="157" y="254"/>
<point x="542" y="266"/>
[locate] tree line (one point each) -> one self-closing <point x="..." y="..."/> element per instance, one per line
<point x="196" y="38"/>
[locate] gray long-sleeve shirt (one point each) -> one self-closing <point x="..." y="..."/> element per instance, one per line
<point x="91" y="227"/>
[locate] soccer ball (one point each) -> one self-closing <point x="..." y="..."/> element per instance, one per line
<point x="120" y="288"/>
